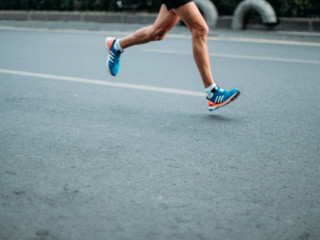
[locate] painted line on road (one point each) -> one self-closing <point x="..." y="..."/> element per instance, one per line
<point x="169" y="35"/>
<point x="264" y="41"/>
<point x="235" y="56"/>
<point x="102" y="83"/>
<point x="61" y="30"/>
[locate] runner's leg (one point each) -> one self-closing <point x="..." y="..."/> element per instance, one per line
<point x="191" y="16"/>
<point x="165" y="21"/>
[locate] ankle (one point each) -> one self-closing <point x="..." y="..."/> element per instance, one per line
<point x="117" y="46"/>
<point x="209" y="89"/>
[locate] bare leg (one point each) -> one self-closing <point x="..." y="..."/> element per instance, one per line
<point x="192" y="17"/>
<point x="164" y="23"/>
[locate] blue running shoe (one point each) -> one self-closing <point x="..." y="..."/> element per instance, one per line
<point x="220" y="97"/>
<point x="113" y="56"/>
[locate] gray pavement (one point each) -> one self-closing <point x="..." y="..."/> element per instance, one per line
<point x="84" y="158"/>
<point x="313" y="37"/>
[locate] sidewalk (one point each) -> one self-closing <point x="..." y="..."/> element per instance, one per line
<point x="123" y="29"/>
<point x="224" y="22"/>
<point x="75" y="16"/>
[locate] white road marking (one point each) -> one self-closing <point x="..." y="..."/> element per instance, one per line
<point x="102" y="83"/>
<point x="170" y="35"/>
<point x="258" y="40"/>
<point x="222" y="55"/>
<point x="60" y="30"/>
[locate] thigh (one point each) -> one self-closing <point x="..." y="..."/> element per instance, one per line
<point x="191" y="16"/>
<point x="166" y="20"/>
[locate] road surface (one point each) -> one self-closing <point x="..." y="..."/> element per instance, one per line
<point x="84" y="155"/>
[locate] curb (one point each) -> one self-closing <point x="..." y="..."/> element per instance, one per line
<point x="106" y="17"/>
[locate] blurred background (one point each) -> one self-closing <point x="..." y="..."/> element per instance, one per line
<point x="283" y="8"/>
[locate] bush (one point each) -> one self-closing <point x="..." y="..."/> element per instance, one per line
<point x="283" y="8"/>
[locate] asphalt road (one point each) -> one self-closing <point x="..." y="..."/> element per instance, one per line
<point x="84" y="155"/>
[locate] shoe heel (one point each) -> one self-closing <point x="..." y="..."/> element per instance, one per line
<point x="108" y="42"/>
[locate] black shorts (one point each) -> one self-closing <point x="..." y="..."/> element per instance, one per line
<point x="171" y="4"/>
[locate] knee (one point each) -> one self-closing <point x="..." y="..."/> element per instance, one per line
<point x="157" y="34"/>
<point x="200" y="31"/>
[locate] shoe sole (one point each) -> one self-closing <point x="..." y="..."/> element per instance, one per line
<point x="232" y="98"/>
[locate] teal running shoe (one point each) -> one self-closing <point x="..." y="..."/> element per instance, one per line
<point x="219" y="97"/>
<point x="113" y="56"/>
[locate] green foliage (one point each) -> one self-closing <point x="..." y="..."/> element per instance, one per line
<point x="296" y="8"/>
<point x="305" y="6"/>
<point x="283" y="8"/>
<point x="226" y="7"/>
<point x="68" y="5"/>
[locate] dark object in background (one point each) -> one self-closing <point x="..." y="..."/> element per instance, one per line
<point x="149" y="5"/>
<point x="283" y="8"/>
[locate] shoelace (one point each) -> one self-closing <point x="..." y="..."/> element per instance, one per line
<point x="116" y="57"/>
